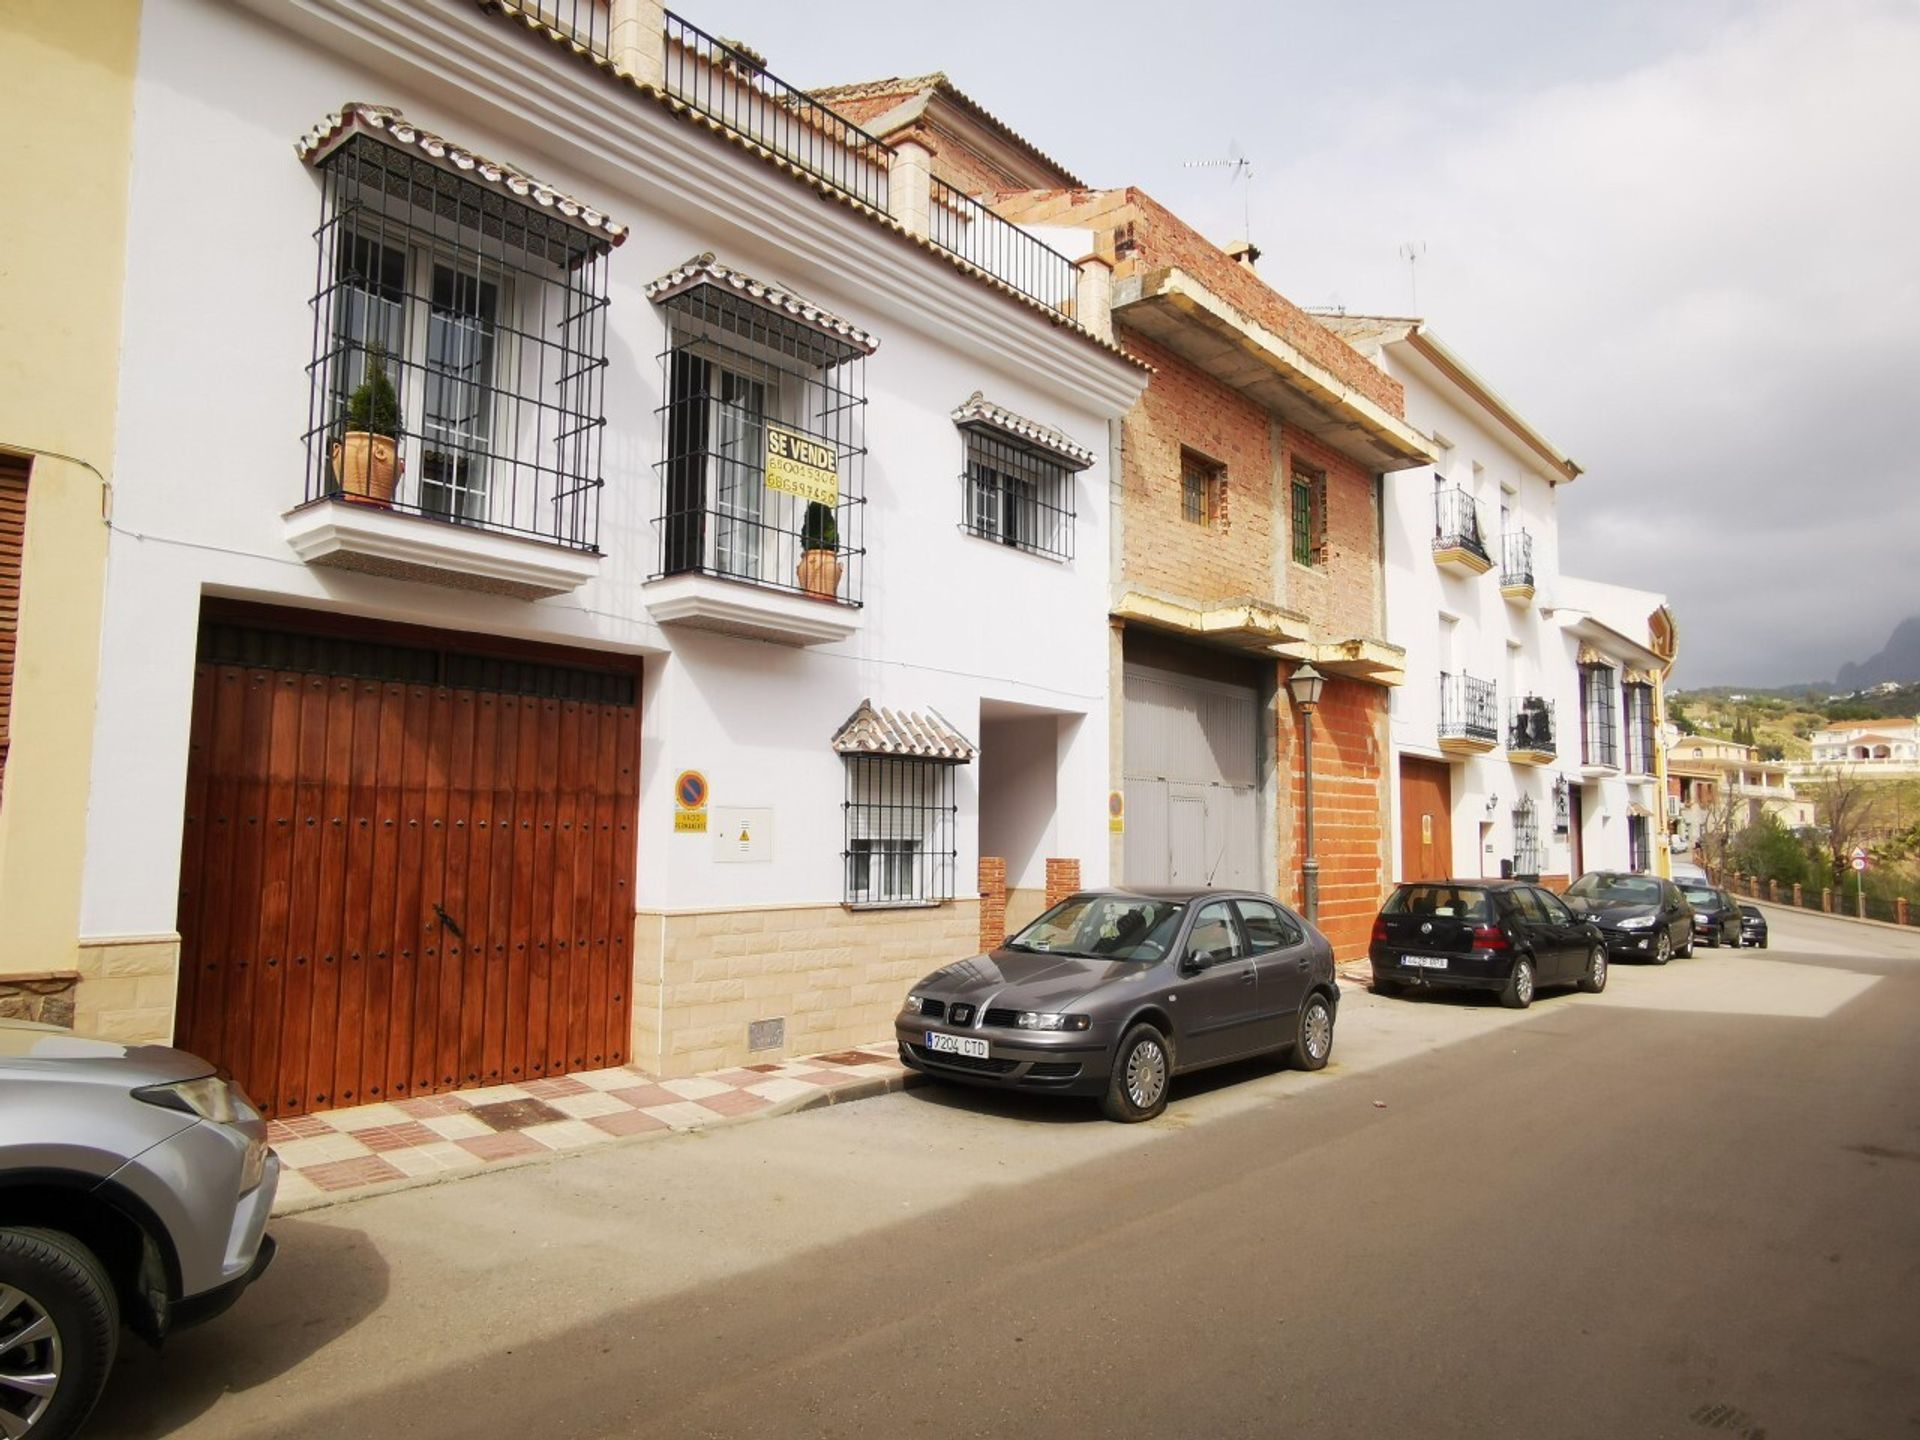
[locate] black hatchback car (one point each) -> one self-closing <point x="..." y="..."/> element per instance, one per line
<point x="1502" y="935"/>
<point x="1753" y="927"/>
<point x="1112" y="993"/>
<point x="1716" y="915"/>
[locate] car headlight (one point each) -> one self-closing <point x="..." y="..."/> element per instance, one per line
<point x="1703" y="919"/>
<point x="209" y="1097"/>
<point x="1637" y="922"/>
<point x="914" y="1005"/>
<point x="1037" y="1020"/>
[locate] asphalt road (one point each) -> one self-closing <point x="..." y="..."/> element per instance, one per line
<point x="1688" y="1207"/>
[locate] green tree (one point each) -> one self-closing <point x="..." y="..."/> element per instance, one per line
<point x="1770" y="851"/>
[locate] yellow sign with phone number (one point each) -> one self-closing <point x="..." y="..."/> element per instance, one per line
<point x="801" y="465"/>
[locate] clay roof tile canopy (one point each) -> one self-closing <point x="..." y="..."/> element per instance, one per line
<point x="907" y="733"/>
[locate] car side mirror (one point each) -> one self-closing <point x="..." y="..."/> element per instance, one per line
<point x="1196" y="962"/>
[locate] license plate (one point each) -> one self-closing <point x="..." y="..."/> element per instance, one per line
<point x="957" y="1044"/>
<point x="1424" y="962"/>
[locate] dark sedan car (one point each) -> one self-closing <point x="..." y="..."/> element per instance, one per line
<point x="1112" y="993"/>
<point x="1753" y="927"/>
<point x="1642" y="916"/>
<point x="1716" y="915"/>
<point x="1502" y="935"/>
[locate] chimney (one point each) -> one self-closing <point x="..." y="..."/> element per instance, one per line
<point x="1243" y="252"/>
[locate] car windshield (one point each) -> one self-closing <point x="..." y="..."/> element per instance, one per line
<point x="1616" y="889"/>
<point x="1751" y="912"/>
<point x="1104" y="927"/>
<point x="1447" y="902"/>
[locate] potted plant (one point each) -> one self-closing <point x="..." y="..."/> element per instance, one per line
<point x="820" y="567"/>
<point x="366" y="459"/>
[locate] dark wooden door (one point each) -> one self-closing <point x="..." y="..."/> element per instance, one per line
<point x="1426" y="820"/>
<point x="1576" y="828"/>
<point x="390" y="889"/>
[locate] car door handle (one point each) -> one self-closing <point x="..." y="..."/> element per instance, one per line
<point x="1304" y="962"/>
<point x="1246" y="977"/>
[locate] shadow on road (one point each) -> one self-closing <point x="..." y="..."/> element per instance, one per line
<point x="323" y="1282"/>
<point x="1040" y="1108"/>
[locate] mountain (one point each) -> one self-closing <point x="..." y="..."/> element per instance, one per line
<point x="1899" y="660"/>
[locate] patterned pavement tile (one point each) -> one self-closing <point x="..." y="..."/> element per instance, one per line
<point x="735" y="1102"/>
<point x="405" y="1135"/>
<point x="628" y="1122"/>
<point x="321" y="1149"/>
<point x="695" y="1087"/>
<point x="296" y="1127"/>
<point x="686" y="1115"/>
<point x="555" y="1086"/>
<point x="365" y="1117"/>
<point x="516" y="1114"/>
<point x="421" y="1106"/>
<point x="564" y="1134"/>
<point x="351" y="1174"/>
<point x="620" y="1077"/>
<point x="641" y="1096"/>
<point x="588" y="1104"/>
<point x="782" y="1087"/>
<point x="461" y="1126"/>
<point x="504" y="1146"/>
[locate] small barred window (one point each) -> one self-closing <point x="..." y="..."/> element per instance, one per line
<point x="899" y="830"/>
<point x="1019" y="495"/>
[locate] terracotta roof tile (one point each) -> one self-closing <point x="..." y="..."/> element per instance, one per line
<point x="977" y="410"/>
<point x="704" y="269"/>
<point x="873" y="731"/>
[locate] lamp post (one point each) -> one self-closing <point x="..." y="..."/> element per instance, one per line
<point x="1305" y="685"/>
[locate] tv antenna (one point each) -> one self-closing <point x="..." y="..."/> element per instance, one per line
<point x="1239" y="168"/>
<point x="1411" y="253"/>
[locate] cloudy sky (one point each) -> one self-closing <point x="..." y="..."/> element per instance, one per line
<point x="1682" y="236"/>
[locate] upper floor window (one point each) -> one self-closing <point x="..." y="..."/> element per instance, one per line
<point x="460" y="335"/>
<point x="1019" y="479"/>
<point x="1202" y="489"/>
<point x="763" y="458"/>
<point x="1309" y="516"/>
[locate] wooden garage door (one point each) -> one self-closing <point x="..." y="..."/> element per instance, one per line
<point x="1426" y="820"/>
<point x="405" y="870"/>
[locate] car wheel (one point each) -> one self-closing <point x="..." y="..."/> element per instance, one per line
<point x="59" y="1328"/>
<point x="1313" y="1043"/>
<point x="1142" y="1071"/>
<point x="1595" y="980"/>
<point x="1663" y="947"/>
<point x="1519" y="992"/>
<point x="1713" y="938"/>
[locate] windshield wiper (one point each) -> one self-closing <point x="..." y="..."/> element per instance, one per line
<point x="1023" y="949"/>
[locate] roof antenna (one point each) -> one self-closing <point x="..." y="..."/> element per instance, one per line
<point x="1239" y="167"/>
<point x="1411" y="253"/>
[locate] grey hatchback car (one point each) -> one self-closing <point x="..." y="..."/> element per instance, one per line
<point x="1112" y="993"/>
<point x="135" y="1185"/>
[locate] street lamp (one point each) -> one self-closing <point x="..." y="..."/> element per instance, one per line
<point x="1305" y="685"/>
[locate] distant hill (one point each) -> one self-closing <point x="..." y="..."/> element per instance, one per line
<point x="1898" y="661"/>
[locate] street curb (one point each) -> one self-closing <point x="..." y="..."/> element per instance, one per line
<point x="1828" y="915"/>
<point x="870" y="1088"/>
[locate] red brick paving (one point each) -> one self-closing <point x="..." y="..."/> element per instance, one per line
<point x="628" y="1122"/>
<point x="503" y="1146"/>
<point x="734" y="1102"/>
<point x="396" y="1137"/>
<point x="351" y="1174"/>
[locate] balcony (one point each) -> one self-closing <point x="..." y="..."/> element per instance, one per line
<point x="1516" y="567"/>
<point x="1459" y="542"/>
<point x="966" y="229"/>
<point x="1469" y="715"/>
<point x="1530" y="731"/>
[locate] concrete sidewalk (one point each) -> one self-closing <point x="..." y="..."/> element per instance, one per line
<point x="335" y="1155"/>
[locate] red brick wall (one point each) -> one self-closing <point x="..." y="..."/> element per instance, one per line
<point x="1184" y="408"/>
<point x="1349" y="809"/>
<point x="993" y="902"/>
<point x="1342" y="594"/>
<point x="1063" y="879"/>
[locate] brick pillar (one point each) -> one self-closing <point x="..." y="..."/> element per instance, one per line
<point x="1798" y="899"/>
<point x="1063" y="878"/>
<point x="1900" y="911"/>
<point x="993" y="902"/>
<point x="1826" y="899"/>
<point x="1773" y="890"/>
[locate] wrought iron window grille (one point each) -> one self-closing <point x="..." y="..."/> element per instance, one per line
<point x="963" y="227"/>
<point x="1638" y="707"/>
<point x="1516" y="558"/>
<point x="1456" y="522"/>
<point x="1562" y="816"/>
<point x="1309" y="517"/>
<point x="1526" y="840"/>
<point x="488" y="317"/>
<point x="1200" y="484"/>
<point x="1639" y="844"/>
<point x="734" y="372"/>
<point x="1599" y="723"/>
<point x="1018" y="495"/>
<point x="1530" y="726"/>
<point x="1469" y="708"/>
<point x="900" y="827"/>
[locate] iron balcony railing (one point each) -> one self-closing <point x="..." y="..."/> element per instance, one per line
<point x="1530" y="726"/>
<point x="1516" y="559"/>
<point x="1469" y="709"/>
<point x="1456" y="522"/>
<point x="733" y="86"/>
<point x="962" y="226"/>
<point x="587" y="23"/>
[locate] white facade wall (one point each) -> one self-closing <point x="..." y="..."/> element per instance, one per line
<point x="218" y="333"/>
<point x="1453" y="622"/>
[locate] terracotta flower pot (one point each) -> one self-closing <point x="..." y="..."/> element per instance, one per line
<point x="366" y="467"/>
<point x="819" y="573"/>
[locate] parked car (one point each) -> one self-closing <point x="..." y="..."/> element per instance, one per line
<point x="1507" y="936"/>
<point x="1716" y="914"/>
<point x="1753" y="927"/>
<point x="134" y="1188"/>
<point x="1642" y="916"/>
<point x="1112" y="993"/>
<point x="1685" y="872"/>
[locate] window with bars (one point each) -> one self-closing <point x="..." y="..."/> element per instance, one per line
<point x="1019" y="495"/>
<point x="1526" y="840"/>
<point x="734" y="371"/>
<point x="1639" y="844"/>
<point x="1309" y="516"/>
<point x="899" y="830"/>
<point x="487" y="318"/>
<point x="1599" y="728"/>
<point x="1201" y="483"/>
<point x="1638" y="714"/>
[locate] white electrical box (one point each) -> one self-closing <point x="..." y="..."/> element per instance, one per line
<point x="742" y="836"/>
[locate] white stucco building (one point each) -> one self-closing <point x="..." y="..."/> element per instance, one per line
<point x="564" y="752"/>
<point x="1884" y="749"/>
<point x="1523" y="734"/>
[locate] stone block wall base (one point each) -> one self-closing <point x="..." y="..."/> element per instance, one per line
<point x="706" y="984"/>
<point x="127" y="986"/>
<point x="46" y="999"/>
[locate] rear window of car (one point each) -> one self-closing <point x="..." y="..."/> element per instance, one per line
<point x="1699" y="895"/>
<point x="1627" y="889"/>
<point x="1445" y="902"/>
<point x="1752" y="912"/>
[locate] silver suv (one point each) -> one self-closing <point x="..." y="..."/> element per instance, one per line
<point x="134" y="1187"/>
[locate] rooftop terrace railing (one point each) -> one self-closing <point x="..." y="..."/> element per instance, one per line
<point x="962" y="226"/>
